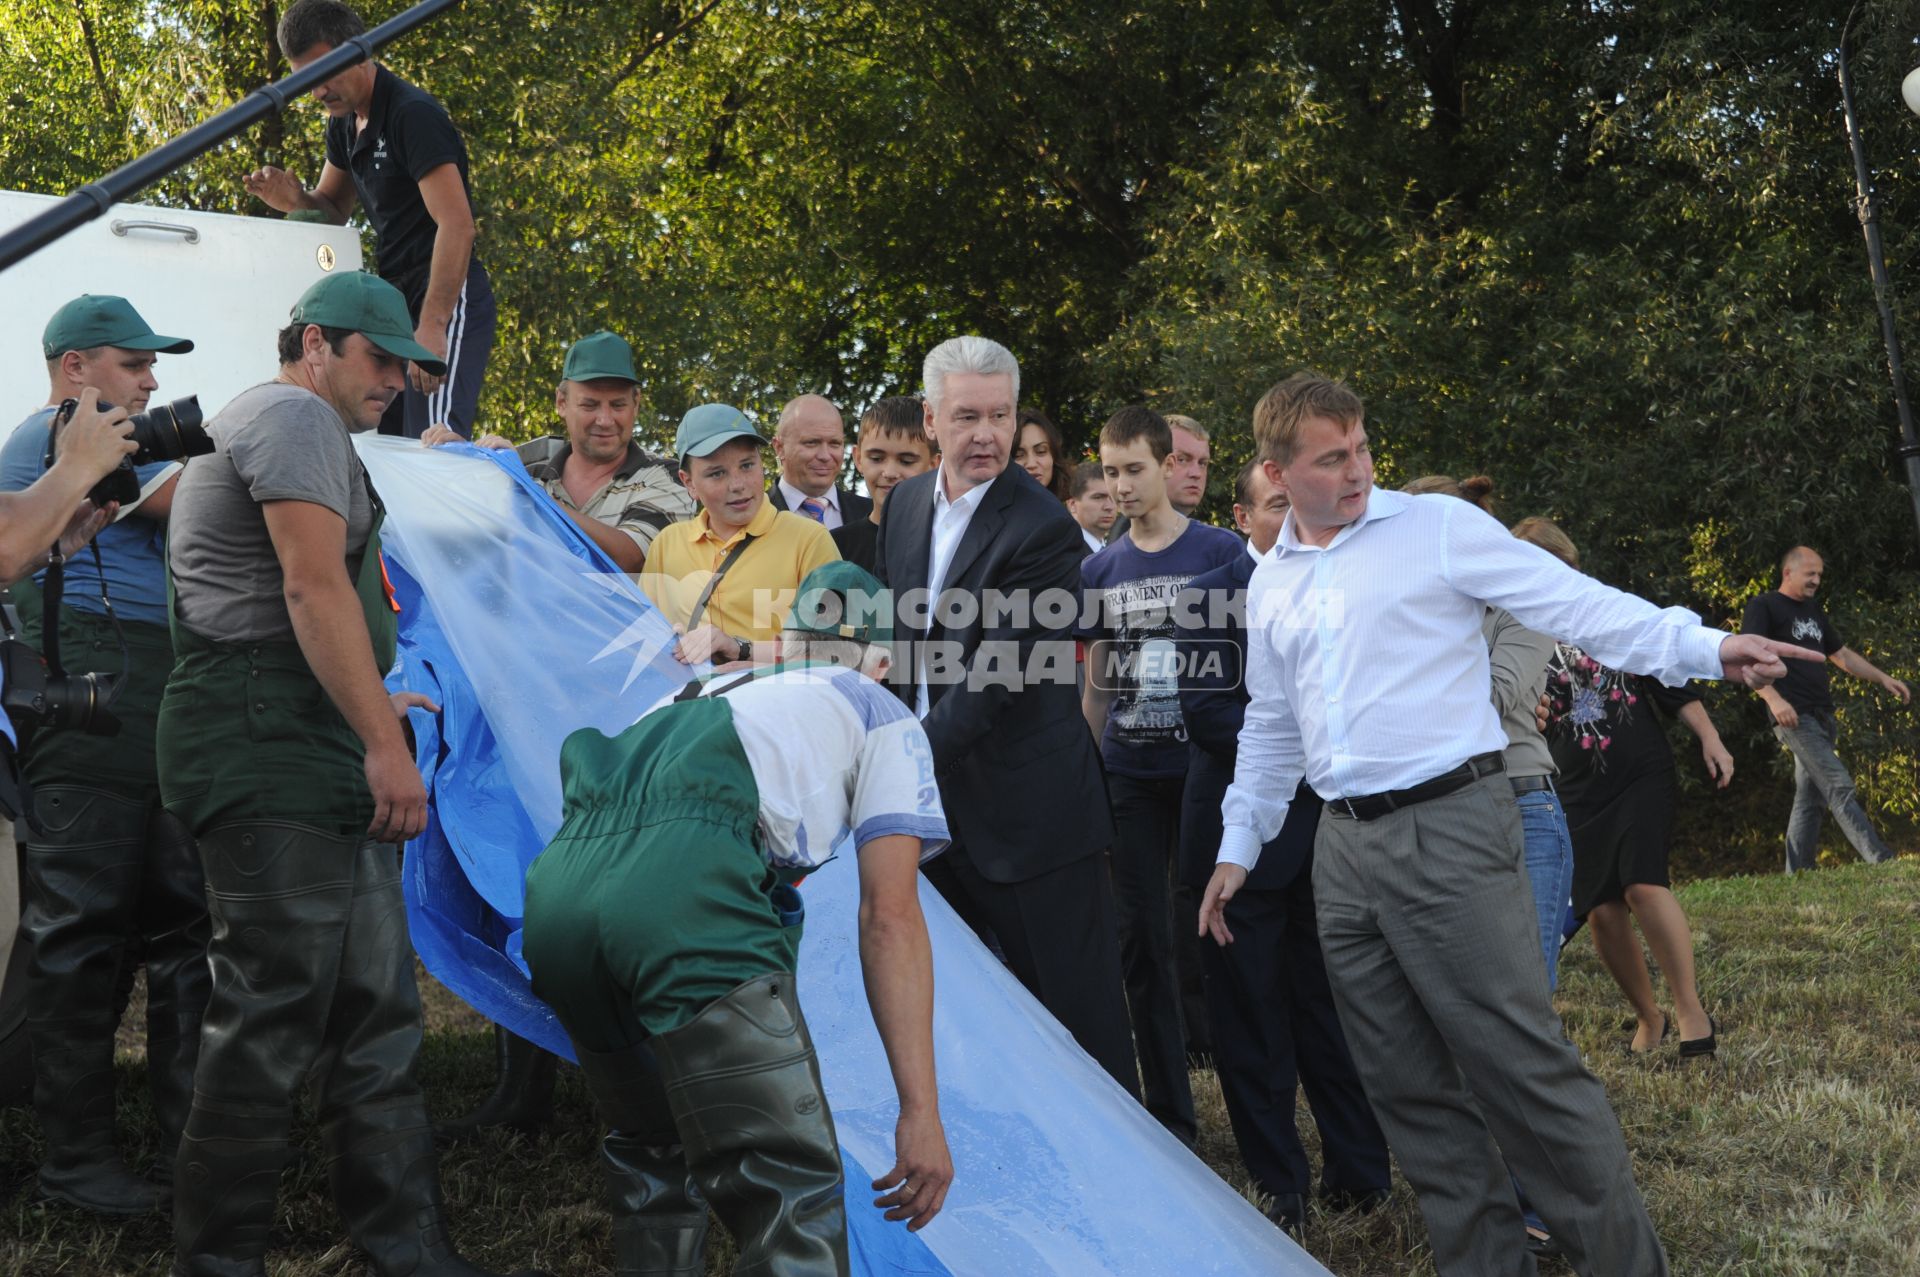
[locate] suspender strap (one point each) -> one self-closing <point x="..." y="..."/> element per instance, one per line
<point x="692" y="691"/>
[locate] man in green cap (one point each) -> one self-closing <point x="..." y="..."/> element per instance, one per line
<point x="105" y="870"/>
<point x="281" y="749"/>
<point x="662" y="927"/>
<point x="619" y="494"/>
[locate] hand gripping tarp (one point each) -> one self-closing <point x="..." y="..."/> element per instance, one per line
<point x="523" y="632"/>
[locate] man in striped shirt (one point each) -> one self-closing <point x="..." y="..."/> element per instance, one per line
<point x="618" y="493"/>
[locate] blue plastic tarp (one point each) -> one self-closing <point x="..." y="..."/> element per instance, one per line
<point x="524" y="632"/>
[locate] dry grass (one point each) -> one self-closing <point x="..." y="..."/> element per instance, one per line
<point x="1797" y="1154"/>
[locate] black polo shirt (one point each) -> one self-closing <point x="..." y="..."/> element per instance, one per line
<point x="408" y="135"/>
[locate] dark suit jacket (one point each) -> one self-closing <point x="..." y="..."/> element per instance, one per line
<point x="853" y="506"/>
<point x="1213" y="704"/>
<point x="1019" y="774"/>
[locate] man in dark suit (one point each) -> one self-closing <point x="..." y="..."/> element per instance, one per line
<point x="810" y="443"/>
<point x="989" y="669"/>
<point x="1268" y="1000"/>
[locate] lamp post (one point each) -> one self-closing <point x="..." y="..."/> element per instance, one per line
<point x="1867" y="210"/>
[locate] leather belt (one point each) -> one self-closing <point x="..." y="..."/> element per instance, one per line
<point x="1530" y="784"/>
<point x="1374" y="806"/>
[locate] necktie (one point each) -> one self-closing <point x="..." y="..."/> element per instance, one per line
<point x="814" y="509"/>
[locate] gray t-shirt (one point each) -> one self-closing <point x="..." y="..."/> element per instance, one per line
<point x="274" y="442"/>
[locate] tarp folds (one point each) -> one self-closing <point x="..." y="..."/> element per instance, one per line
<point x="523" y="632"/>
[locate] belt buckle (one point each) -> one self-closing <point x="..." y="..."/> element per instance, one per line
<point x="1348" y="802"/>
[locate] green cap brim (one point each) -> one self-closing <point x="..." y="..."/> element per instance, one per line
<point x="154" y="341"/>
<point x="408" y="348"/>
<point x="707" y="447"/>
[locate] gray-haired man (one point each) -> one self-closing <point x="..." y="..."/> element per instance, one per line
<point x="991" y="675"/>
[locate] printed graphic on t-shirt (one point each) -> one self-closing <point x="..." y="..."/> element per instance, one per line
<point x="1807" y="630"/>
<point x="1146" y="701"/>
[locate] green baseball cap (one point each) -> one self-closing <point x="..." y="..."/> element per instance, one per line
<point x="706" y="428"/>
<point x="370" y="306"/>
<point x="95" y="320"/>
<point x="601" y="356"/>
<point x="843" y="600"/>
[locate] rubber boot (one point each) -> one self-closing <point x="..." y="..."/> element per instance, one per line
<point x="522" y="1097"/>
<point x="744" y="1087"/>
<point x="380" y="1153"/>
<point x="386" y="1184"/>
<point x="82" y="889"/>
<point x="226" y="1180"/>
<point x="173" y="922"/>
<point x="279" y="896"/>
<point x="659" y="1216"/>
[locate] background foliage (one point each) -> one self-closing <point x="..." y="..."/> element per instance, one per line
<point x="1602" y="250"/>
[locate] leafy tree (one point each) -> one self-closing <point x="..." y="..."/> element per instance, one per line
<point x="1603" y="250"/>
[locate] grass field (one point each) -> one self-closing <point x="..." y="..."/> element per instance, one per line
<point x="1798" y="1153"/>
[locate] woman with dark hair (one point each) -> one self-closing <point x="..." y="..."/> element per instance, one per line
<point x="1617" y="780"/>
<point x="1040" y="450"/>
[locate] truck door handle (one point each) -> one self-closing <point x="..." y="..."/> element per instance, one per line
<point x="191" y="234"/>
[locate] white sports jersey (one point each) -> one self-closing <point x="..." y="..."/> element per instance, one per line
<point x="833" y="753"/>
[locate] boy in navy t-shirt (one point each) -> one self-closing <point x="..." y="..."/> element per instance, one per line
<point x="1132" y="703"/>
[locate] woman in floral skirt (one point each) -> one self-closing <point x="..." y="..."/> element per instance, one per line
<point x="1617" y="783"/>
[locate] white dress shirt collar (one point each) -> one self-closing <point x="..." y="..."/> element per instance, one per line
<point x="970" y="499"/>
<point x="1382" y="503"/>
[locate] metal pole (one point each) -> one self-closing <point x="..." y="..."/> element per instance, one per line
<point x="95" y="198"/>
<point x="1868" y="212"/>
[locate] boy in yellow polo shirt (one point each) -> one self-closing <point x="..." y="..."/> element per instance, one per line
<point x="726" y="578"/>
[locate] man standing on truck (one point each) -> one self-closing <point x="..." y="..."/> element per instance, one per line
<point x="393" y="148"/>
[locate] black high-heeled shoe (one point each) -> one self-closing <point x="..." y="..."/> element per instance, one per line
<point x="1694" y="1048"/>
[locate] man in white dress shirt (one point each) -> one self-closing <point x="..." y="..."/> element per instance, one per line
<point x="1369" y="677"/>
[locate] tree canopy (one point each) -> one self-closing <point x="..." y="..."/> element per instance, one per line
<point x="1602" y="250"/>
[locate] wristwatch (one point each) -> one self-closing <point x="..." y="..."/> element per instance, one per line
<point x="746" y="649"/>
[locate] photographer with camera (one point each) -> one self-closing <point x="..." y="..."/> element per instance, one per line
<point x="55" y="509"/>
<point x="107" y="874"/>
<point x="281" y="749"/>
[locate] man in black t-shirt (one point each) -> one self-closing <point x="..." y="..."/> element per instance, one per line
<point x="1802" y="708"/>
<point x="392" y="148"/>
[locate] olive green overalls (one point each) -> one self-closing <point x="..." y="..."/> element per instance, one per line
<point x="312" y="969"/>
<point x="666" y="946"/>
<point x="111" y="882"/>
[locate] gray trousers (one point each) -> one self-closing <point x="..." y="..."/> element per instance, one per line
<point x="1427" y="920"/>
<point x="1821" y="784"/>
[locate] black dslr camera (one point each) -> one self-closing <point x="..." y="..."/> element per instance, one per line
<point x="170" y="432"/>
<point x="39" y="691"/>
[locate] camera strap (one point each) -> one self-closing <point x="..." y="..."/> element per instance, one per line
<point x="51" y="592"/>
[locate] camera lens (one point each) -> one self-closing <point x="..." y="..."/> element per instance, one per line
<point x="170" y="432"/>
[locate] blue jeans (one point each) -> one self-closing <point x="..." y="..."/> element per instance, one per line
<point x="1821" y="784"/>
<point x="1543" y="822"/>
<point x="1543" y="826"/>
